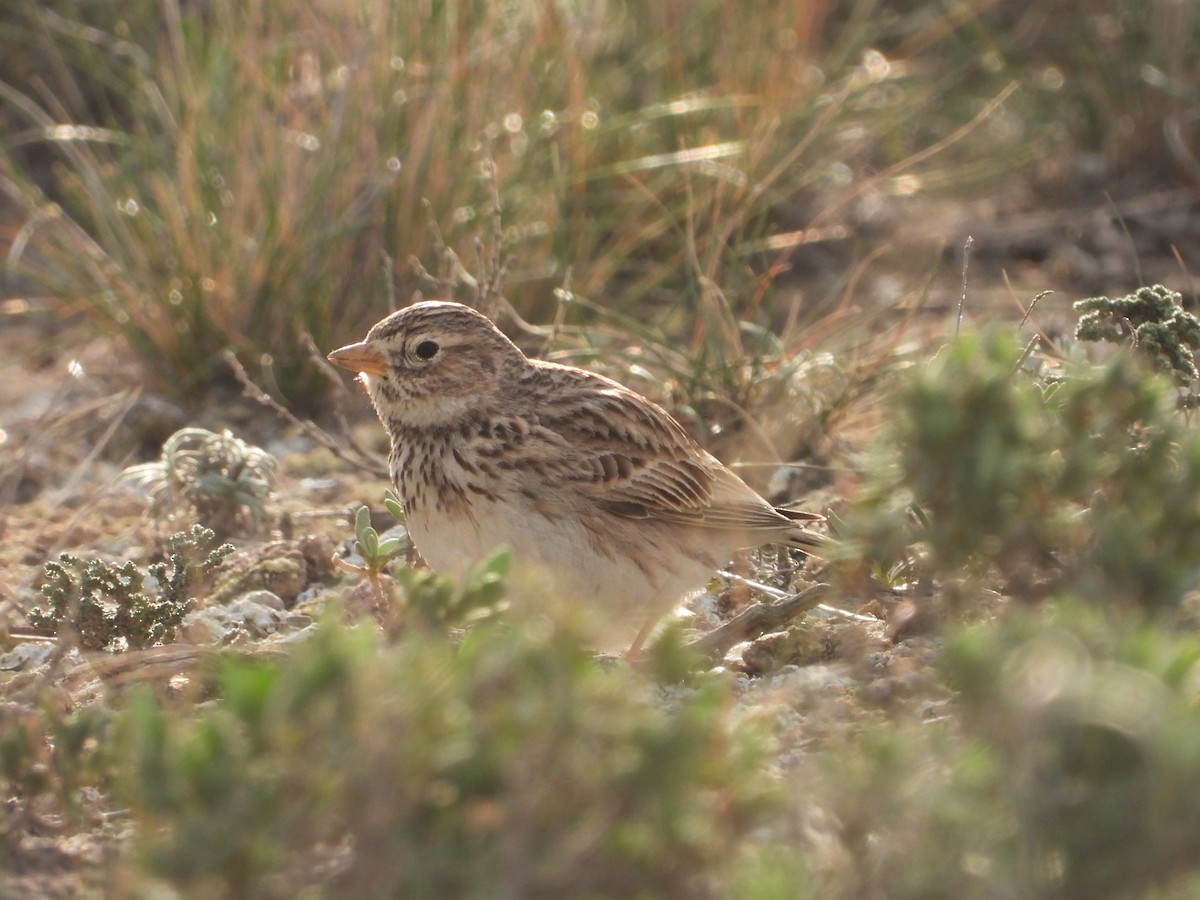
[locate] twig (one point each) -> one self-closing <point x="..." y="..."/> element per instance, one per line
<point x="389" y="280"/>
<point x="486" y="291"/>
<point x="1124" y="226"/>
<point x="361" y="459"/>
<point x="758" y="619"/>
<point x="562" y="296"/>
<point x="337" y="380"/>
<point x="372" y="576"/>
<point x="1032" y="304"/>
<point x="962" y="299"/>
<point x="29" y="633"/>
<point x="451" y="272"/>
<point x="782" y="595"/>
<point x="1026" y="353"/>
<point x="48" y="673"/>
<point x="547" y="332"/>
<point x="40" y="429"/>
<point x="495" y="270"/>
<point x="153" y="665"/>
<point x="863" y="185"/>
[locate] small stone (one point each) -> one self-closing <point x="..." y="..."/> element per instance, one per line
<point x="28" y="655"/>
<point x="263" y="598"/>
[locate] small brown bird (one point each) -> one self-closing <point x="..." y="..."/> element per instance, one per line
<point x="583" y="478"/>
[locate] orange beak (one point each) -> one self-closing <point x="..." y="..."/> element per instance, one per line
<point x="360" y="357"/>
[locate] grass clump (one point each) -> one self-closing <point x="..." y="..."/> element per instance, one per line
<point x="110" y="607"/>
<point x="219" y="479"/>
<point x="512" y="762"/>
<point x="198" y="177"/>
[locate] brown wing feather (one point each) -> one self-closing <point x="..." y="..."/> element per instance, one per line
<point x="638" y="462"/>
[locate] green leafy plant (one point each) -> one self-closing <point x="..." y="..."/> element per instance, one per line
<point x="443" y="603"/>
<point x="109" y="606"/>
<point x="218" y="478"/>
<point x="378" y="553"/>
<point x="431" y="768"/>
<point x="192" y="559"/>
<point x="1085" y="480"/>
<point x="434" y="600"/>
<point x="1154" y="322"/>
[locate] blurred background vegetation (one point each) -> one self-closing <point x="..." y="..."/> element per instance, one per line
<point x="757" y="214"/>
<point x="197" y="175"/>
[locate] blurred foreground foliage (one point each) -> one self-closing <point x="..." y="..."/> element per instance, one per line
<point x="1085" y="479"/>
<point x="1067" y="770"/>
<point x="1051" y="516"/>
<point x="510" y="761"/>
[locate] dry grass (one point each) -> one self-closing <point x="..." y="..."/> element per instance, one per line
<point x="240" y="174"/>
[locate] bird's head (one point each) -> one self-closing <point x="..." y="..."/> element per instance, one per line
<point x="432" y="364"/>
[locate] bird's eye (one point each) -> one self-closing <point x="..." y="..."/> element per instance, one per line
<point x="427" y="349"/>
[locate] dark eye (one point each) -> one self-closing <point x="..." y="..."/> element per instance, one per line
<point x="427" y="349"/>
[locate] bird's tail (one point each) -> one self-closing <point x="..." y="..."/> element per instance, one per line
<point x="800" y="538"/>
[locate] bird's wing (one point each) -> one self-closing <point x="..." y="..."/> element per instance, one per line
<point x="636" y="461"/>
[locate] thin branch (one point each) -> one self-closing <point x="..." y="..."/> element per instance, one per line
<point x="389" y="281"/>
<point x="777" y="594"/>
<point x="1032" y="304"/>
<point x="361" y="459"/>
<point x="495" y="269"/>
<point x="962" y="298"/>
<point x="562" y="296"/>
<point x="1026" y="353"/>
<point x="758" y="619"/>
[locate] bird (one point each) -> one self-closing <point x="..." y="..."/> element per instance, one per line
<point x="597" y="487"/>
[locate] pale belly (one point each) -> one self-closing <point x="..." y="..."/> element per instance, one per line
<point x="561" y="556"/>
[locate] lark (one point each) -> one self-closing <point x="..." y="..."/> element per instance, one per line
<point x="597" y="487"/>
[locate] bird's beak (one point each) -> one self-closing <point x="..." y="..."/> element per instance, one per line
<point x="360" y="357"/>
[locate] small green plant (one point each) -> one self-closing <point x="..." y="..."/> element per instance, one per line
<point x="442" y="603"/>
<point x="1090" y="717"/>
<point x="432" y="768"/>
<point x="1154" y="322"/>
<point x="435" y="600"/>
<point x="219" y="479"/>
<point x="192" y="558"/>
<point x="1086" y="481"/>
<point x="45" y="753"/>
<point x="378" y="553"/>
<point x="108" y="605"/>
